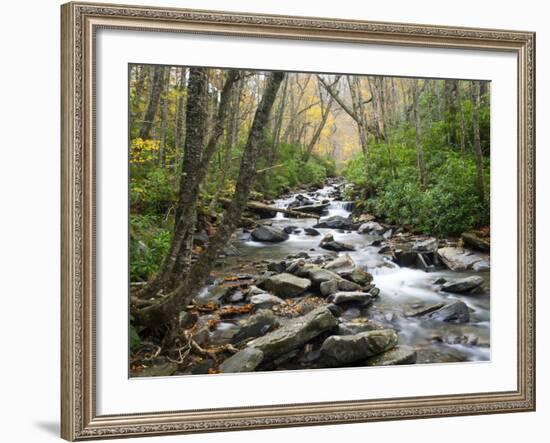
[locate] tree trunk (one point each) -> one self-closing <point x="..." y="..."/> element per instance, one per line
<point x="374" y="92"/>
<point x="280" y="115"/>
<point x="359" y="109"/>
<point x="154" y="98"/>
<point x="180" y="112"/>
<point x="165" y="311"/>
<point x="418" y="129"/>
<point x="200" y="171"/>
<point x="325" y="111"/>
<point x="474" y="91"/>
<point x="140" y="84"/>
<point x="462" y="122"/>
<point x="230" y="143"/>
<point x="194" y="166"/>
<point x="451" y="102"/>
<point x="163" y="117"/>
<point x="386" y="135"/>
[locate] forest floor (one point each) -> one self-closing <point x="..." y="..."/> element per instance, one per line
<point x="338" y="289"/>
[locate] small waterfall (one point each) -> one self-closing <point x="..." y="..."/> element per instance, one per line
<point x="340" y="208"/>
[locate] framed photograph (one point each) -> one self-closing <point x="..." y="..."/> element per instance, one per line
<point x="277" y="221"/>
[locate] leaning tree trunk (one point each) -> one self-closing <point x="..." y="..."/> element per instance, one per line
<point x="325" y="111"/>
<point x="194" y="167"/>
<point x="474" y="90"/>
<point x="165" y="311"/>
<point x="153" y="105"/>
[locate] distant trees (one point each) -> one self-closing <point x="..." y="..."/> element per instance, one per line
<point x="154" y="98"/>
<point x="475" y="93"/>
<point x="356" y="110"/>
<point x="310" y="113"/>
<point x="418" y="134"/>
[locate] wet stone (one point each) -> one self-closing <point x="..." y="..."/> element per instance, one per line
<point x="243" y="361"/>
<point x="400" y="355"/>
<point x="265" y="300"/>
<point x="256" y="325"/>
<point x="344" y="349"/>
<point x="463" y="285"/>
<point x="455" y="312"/>
<point x="295" y="333"/>
<point x="286" y="285"/>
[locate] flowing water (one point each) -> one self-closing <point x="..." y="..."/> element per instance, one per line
<point x="402" y="289"/>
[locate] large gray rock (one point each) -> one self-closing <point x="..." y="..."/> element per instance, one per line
<point x="328" y="287"/>
<point x="400" y="355"/>
<point x="256" y="325"/>
<point x="341" y="263"/>
<point x="460" y="285"/>
<point x="455" y="312"/>
<point x="316" y="274"/>
<point x="268" y="234"/>
<point x="335" y="222"/>
<point x="243" y="361"/>
<point x="355" y="327"/>
<point x="428" y="245"/>
<point x="340" y="298"/>
<point x="286" y="285"/>
<point x="330" y="244"/>
<point x="358" y="276"/>
<point x="424" y="310"/>
<point x="346" y="285"/>
<point x="295" y="266"/>
<point x="344" y="349"/>
<point x="312" y="232"/>
<point x="459" y="259"/>
<point x="262" y="301"/>
<point x="277" y="267"/>
<point x="295" y="333"/>
<point x="300" y="200"/>
<point x="371" y="228"/>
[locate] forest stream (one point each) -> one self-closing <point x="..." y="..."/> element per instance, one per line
<point x="430" y="326"/>
<point x="283" y="221"/>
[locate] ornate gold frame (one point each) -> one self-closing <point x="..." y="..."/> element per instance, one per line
<point x="78" y="417"/>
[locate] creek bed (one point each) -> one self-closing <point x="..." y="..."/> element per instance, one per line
<point x="402" y="289"/>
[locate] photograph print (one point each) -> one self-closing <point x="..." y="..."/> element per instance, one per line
<point x="291" y="220"/>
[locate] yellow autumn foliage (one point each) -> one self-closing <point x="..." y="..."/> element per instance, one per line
<point x="142" y="151"/>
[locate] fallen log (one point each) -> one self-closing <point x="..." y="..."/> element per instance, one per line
<point x="262" y="207"/>
<point x="474" y="241"/>
<point x="315" y="209"/>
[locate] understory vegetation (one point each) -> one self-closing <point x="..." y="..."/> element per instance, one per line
<point x="450" y="202"/>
